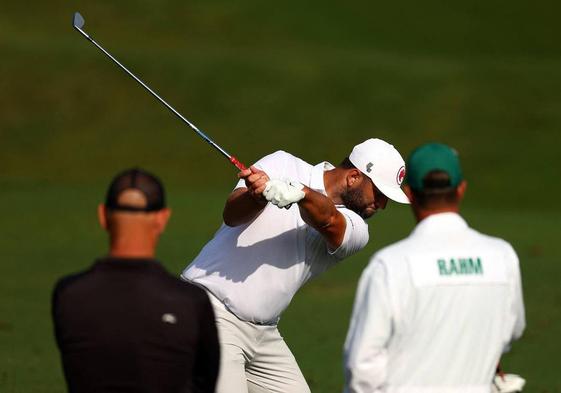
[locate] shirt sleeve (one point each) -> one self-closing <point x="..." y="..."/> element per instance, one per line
<point x="365" y="351"/>
<point x="272" y="165"/>
<point x="356" y="235"/>
<point x="207" y="362"/>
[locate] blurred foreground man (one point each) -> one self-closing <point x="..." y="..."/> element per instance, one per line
<point x="285" y="222"/>
<point x="435" y="311"/>
<point x="125" y="324"/>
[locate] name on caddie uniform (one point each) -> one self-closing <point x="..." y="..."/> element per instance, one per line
<point x="451" y="266"/>
<point x="433" y="269"/>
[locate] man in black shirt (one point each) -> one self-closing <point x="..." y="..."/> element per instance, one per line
<point x="125" y="324"/>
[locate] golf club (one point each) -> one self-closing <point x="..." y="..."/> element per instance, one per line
<point x="78" y="22"/>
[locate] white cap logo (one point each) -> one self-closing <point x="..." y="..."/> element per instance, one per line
<point x="169" y="318"/>
<point x="400" y="175"/>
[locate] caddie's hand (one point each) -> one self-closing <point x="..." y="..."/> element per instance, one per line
<point x="508" y="383"/>
<point x="255" y="181"/>
<point x="283" y="193"/>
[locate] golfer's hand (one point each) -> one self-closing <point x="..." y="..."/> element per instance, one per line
<point x="255" y="181"/>
<point x="283" y="193"/>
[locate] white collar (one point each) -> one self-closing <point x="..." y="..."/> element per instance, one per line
<point x="441" y="222"/>
<point x="316" y="177"/>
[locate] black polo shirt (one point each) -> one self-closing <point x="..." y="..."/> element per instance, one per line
<point x="126" y="325"/>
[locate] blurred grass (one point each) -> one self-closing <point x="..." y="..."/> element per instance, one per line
<point x="65" y="238"/>
<point x="311" y="78"/>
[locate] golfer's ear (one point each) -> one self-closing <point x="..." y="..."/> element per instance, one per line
<point x="162" y="218"/>
<point x="353" y="177"/>
<point x="102" y="215"/>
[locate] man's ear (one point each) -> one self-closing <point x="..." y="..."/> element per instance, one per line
<point x="354" y="177"/>
<point x="461" y="190"/>
<point x="162" y="218"/>
<point x="102" y="215"/>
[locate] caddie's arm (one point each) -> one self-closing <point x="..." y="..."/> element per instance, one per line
<point x="246" y="203"/>
<point x="320" y="213"/>
<point x="365" y="355"/>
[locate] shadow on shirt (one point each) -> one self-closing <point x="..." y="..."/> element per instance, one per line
<point x="230" y="256"/>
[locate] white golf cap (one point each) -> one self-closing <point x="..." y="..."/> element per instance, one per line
<point x="382" y="163"/>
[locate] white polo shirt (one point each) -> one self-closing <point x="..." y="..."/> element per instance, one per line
<point x="256" y="268"/>
<point x="434" y="312"/>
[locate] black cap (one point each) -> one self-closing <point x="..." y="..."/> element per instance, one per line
<point x="136" y="179"/>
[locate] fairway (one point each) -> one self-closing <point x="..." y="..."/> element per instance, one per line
<point x="313" y="79"/>
<point x="315" y="323"/>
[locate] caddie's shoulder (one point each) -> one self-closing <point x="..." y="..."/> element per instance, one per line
<point x="391" y="254"/>
<point x="400" y="247"/>
<point x="382" y="263"/>
<point x="391" y="261"/>
<point x="494" y="242"/>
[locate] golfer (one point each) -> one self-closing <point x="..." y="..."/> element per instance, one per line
<point x="435" y="311"/>
<point x="125" y="324"/>
<point x="285" y="222"/>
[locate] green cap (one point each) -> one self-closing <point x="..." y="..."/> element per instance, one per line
<point x="430" y="157"/>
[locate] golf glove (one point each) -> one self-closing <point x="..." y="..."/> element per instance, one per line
<point x="508" y="383"/>
<point x="283" y="193"/>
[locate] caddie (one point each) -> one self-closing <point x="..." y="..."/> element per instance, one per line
<point x="286" y="222"/>
<point x="435" y="311"/>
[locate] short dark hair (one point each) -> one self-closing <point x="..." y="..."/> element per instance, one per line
<point x="347" y="164"/>
<point x="436" y="191"/>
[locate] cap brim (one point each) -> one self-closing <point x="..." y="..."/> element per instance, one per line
<point x="395" y="194"/>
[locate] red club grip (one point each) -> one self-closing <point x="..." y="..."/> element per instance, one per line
<point x="237" y="163"/>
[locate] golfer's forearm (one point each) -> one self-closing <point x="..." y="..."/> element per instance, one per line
<point x="320" y="213"/>
<point x="241" y="208"/>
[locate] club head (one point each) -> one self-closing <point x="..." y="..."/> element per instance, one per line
<point x="78" y="21"/>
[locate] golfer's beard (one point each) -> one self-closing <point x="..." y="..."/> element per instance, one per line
<point x="352" y="199"/>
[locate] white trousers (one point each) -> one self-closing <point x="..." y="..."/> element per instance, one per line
<point x="254" y="358"/>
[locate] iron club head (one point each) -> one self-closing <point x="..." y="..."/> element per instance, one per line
<point x="78" y="21"/>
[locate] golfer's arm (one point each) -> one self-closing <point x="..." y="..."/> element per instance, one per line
<point x="320" y="213"/>
<point x="241" y="207"/>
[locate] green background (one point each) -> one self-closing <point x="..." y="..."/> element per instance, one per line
<point x="312" y="78"/>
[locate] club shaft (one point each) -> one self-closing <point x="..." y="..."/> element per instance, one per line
<point x="231" y="158"/>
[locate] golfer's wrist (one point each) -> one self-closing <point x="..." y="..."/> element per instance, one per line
<point x="300" y="187"/>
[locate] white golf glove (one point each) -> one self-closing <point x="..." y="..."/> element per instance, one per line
<point x="283" y="193"/>
<point x="508" y="383"/>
